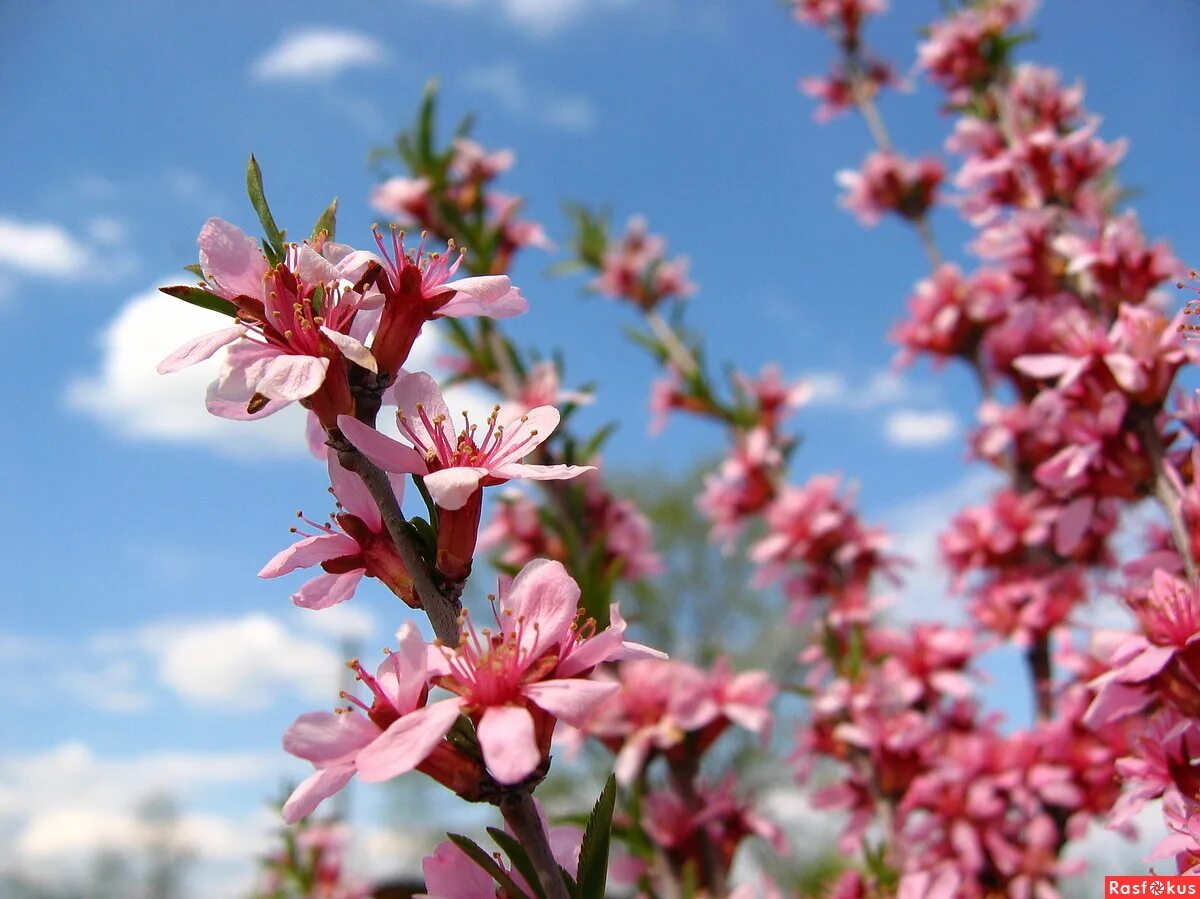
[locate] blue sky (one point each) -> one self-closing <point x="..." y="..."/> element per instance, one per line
<point x="137" y="649"/>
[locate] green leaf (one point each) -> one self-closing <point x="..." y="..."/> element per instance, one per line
<point x="195" y="269"/>
<point x="198" y="296"/>
<point x="327" y="222"/>
<point x="597" y="440"/>
<point x="476" y="853"/>
<point x="519" y="857"/>
<point x="593" y="855"/>
<point x="425" y="121"/>
<point x="258" y="199"/>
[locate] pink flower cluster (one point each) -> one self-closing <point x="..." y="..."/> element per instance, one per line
<point x="676" y="711"/>
<point x="635" y="269"/>
<point x="463" y="182"/>
<point x="521" y="533"/>
<point x="508" y="687"/>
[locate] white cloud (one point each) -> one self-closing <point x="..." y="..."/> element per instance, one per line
<point x="43" y="249"/>
<point x="107" y="231"/>
<point x="240" y="663"/>
<point x="129" y="397"/>
<point x="314" y="54"/>
<point x="915" y="428"/>
<point x="61" y="806"/>
<point x="541" y="18"/>
<point x="505" y="83"/>
<point x="882" y="387"/>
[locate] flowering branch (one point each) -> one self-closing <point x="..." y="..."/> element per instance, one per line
<point x="442" y="605"/>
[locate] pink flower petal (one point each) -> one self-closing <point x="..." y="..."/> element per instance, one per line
<point x="351" y="349"/>
<point x="319" y="786"/>
<point x="230" y="260"/>
<point x="390" y="455"/>
<point x="488" y="295"/>
<point x="572" y="699"/>
<point x="288" y="377"/>
<point x="1043" y="365"/>
<point x="403" y="674"/>
<point x="324" y="738"/>
<point x="354" y="496"/>
<point x="314" y="268"/>
<point x="541" y="472"/>
<point x="314" y="436"/>
<point x="328" y="590"/>
<point x="1072" y="525"/>
<point x="408" y="742"/>
<point x="308" y="552"/>
<point x="540" y="604"/>
<point x="199" y="349"/>
<point x="452" y="487"/>
<point x="509" y="748"/>
<point x="419" y="389"/>
<point x="450" y="874"/>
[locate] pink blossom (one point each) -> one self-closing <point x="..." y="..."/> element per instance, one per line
<point x="296" y="323"/>
<point x="473" y="163"/>
<point x="837" y="91"/>
<point x="456" y="465"/>
<point x="1162" y="662"/>
<point x="407" y="200"/>
<point x="887" y="183"/>
<point x="354" y="546"/>
<point x="635" y="268"/>
<point x="340" y="744"/>
<point x="517" y="682"/>
<point x="417" y="288"/>
<point x="948" y="314"/>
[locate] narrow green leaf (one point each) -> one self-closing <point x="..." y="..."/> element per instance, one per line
<point x="195" y="269"/>
<point x="519" y="857"/>
<point x="425" y="121"/>
<point x="477" y="854"/>
<point x="597" y="440"/>
<point x="258" y="199"/>
<point x="327" y="222"/>
<point x="198" y="296"/>
<point x="593" y="855"/>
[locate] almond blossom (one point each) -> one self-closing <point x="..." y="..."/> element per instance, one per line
<point x="457" y="466"/>
<point x="354" y="546"/>
<point x="298" y="325"/>
<point x="516" y="682"/>
<point x="336" y="741"/>
<point x="417" y="288"/>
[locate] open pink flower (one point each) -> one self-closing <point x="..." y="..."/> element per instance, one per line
<point x="335" y="741"/>
<point x="356" y="545"/>
<point x="297" y="324"/>
<point x="417" y="288"/>
<point x="516" y="683"/>
<point x="455" y="465"/>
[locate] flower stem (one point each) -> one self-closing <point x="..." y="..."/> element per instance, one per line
<point x="521" y="816"/>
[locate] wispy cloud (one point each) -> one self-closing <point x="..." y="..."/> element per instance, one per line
<point x="63" y="805"/>
<point x="542" y="18"/>
<point x="317" y="54"/>
<point x="44" y="249"/>
<point x="912" y="428"/>
<point x="505" y="83"/>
